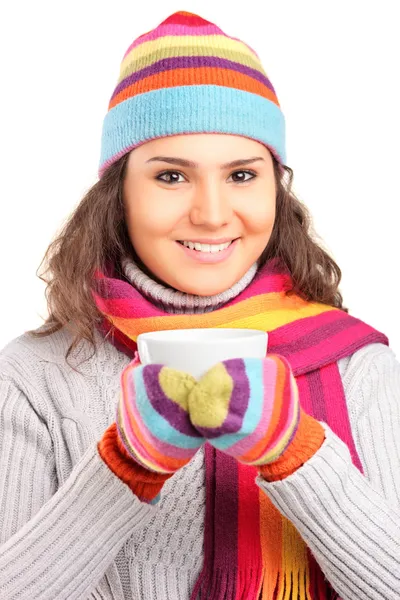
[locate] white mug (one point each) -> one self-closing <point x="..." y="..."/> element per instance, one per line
<point x="197" y="350"/>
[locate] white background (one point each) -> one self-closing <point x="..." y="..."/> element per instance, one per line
<point x="334" y="66"/>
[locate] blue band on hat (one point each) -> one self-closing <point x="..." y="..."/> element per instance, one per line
<point x="191" y="109"/>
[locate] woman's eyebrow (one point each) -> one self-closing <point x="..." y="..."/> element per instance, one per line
<point x="183" y="162"/>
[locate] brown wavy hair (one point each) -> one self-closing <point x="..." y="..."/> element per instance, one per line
<point x="96" y="233"/>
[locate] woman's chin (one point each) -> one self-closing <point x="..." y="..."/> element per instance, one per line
<point x="203" y="286"/>
<point x="203" y="292"/>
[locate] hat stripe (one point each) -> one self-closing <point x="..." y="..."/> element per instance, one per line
<point x="198" y="76"/>
<point x="221" y="43"/>
<point x="190" y="62"/>
<point x="174" y="30"/>
<point x="174" y="51"/>
<point x="186" y="18"/>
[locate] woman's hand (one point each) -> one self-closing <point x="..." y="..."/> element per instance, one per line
<point x="248" y="408"/>
<point x="153" y="420"/>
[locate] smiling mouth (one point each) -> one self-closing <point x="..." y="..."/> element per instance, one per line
<point x="208" y="253"/>
<point x="206" y="248"/>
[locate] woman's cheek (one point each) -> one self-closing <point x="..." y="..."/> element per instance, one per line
<point x="260" y="218"/>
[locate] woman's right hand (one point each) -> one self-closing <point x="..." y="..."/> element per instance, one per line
<point x="152" y="436"/>
<point x="153" y="421"/>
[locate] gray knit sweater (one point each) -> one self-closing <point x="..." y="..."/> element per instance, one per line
<point x="70" y="529"/>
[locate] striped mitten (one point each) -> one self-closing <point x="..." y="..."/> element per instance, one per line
<point x="249" y="408"/>
<point x="152" y="437"/>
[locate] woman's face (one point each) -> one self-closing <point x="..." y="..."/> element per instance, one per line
<point x="206" y="189"/>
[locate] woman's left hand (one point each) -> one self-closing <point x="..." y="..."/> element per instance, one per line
<point x="248" y="408"/>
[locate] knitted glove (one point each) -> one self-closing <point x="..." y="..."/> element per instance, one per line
<point x="153" y="436"/>
<point x="249" y="408"/>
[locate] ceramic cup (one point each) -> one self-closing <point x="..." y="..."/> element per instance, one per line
<point x="197" y="350"/>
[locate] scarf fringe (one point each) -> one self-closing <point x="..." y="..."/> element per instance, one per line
<point x="253" y="584"/>
<point x="242" y="584"/>
<point x="301" y="584"/>
<point x="290" y="585"/>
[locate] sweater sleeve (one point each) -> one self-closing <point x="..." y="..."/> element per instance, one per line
<point x="350" y="520"/>
<point x="55" y="543"/>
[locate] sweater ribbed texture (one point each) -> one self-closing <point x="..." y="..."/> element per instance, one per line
<point x="70" y="529"/>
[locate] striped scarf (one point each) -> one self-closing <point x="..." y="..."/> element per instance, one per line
<point x="250" y="550"/>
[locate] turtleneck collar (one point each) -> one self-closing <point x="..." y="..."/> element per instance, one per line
<point x="175" y="301"/>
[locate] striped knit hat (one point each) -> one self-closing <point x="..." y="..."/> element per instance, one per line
<point x="188" y="76"/>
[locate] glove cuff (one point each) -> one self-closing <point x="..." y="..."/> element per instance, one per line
<point x="307" y="440"/>
<point x="145" y="484"/>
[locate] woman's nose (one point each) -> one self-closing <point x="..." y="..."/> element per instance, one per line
<point x="211" y="207"/>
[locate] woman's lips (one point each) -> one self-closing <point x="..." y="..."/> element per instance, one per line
<point x="210" y="257"/>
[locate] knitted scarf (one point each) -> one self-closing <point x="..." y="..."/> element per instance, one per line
<point x="251" y="551"/>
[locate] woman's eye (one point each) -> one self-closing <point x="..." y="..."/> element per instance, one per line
<point x="241" y="179"/>
<point x="172" y="176"/>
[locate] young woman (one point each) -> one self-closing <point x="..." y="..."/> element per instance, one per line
<point x="274" y="478"/>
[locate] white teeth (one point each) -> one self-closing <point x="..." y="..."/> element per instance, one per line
<point x="213" y="248"/>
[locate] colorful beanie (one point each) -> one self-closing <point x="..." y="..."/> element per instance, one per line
<point x="188" y="76"/>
